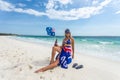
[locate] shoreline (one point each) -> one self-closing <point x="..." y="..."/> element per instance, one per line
<point x="43" y="43"/>
<point x="20" y="59"/>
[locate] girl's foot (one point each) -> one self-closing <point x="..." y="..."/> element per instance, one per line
<point x="40" y="70"/>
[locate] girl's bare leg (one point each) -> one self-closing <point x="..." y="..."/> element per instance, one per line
<point x="54" y="64"/>
<point x="54" y="50"/>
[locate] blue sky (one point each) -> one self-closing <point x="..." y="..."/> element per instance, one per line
<point x="82" y="17"/>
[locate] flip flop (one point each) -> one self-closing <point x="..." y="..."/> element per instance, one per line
<point x="74" y="65"/>
<point x="79" y="67"/>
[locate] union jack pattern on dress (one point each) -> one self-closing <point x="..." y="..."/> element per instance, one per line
<point x="68" y="49"/>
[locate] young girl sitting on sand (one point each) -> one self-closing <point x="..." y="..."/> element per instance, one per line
<point x="66" y="53"/>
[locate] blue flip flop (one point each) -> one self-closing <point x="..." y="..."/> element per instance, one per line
<point x="79" y="67"/>
<point x="74" y="65"/>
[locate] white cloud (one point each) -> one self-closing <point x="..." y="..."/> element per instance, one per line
<point x="74" y="14"/>
<point x="118" y="12"/>
<point x="21" y="4"/>
<point x="115" y="4"/>
<point x="5" y="6"/>
<point x="104" y="3"/>
<point x="29" y="11"/>
<point x="95" y="2"/>
<point x="50" y="4"/>
<point x="53" y="3"/>
<point x="64" y="2"/>
<point x="51" y="12"/>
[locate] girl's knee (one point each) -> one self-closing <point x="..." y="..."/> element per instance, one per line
<point x="58" y="49"/>
<point x="53" y="47"/>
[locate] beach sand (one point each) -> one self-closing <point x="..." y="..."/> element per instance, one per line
<point x="19" y="60"/>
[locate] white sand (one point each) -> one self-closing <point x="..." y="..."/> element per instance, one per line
<point x="19" y="60"/>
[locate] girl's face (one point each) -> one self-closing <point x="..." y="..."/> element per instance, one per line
<point x="67" y="34"/>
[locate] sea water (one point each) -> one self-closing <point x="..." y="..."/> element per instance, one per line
<point x="100" y="46"/>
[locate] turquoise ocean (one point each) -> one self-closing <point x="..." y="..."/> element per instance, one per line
<point x="107" y="47"/>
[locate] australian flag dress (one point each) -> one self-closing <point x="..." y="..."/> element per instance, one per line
<point x="65" y="57"/>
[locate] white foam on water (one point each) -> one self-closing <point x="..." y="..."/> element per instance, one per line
<point x="106" y="43"/>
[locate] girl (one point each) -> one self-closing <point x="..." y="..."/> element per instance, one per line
<point x="66" y="53"/>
